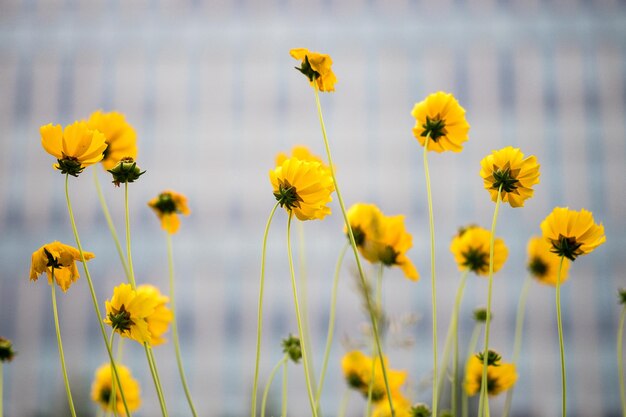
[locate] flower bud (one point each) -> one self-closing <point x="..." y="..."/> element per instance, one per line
<point x="125" y="171"/>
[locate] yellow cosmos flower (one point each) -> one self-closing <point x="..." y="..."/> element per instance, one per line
<point x="508" y="168"/>
<point x="357" y="369"/>
<point x="128" y="312"/>
<point x="159" y="321"/>
<point x="397" y="242"/>
<point x="119" y="135"/>
<point x="442" y="119"/>
<point x="401" y="405"/>
<point x="62" y="258"/>
<point x="302" y="153"/>
<point x="572" y="233"/>
<point x="75" y="147"/>
<point x="543" y="264"/>
<point x="101" y="389"/>
<point x="167" y="206"/>
<point x="303" y="187"/>
<point x="500" y="377"/>
<point x="471" y="251"/>
<point x="316" y="67"/>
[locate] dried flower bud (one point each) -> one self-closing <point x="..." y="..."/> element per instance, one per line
<point x="291" y="346"/>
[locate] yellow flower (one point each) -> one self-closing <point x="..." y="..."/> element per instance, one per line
<point x="300" y="152"/>
<point x="357" y="369"/>
<point x="508" y="168"/>
<point x="119" y="135"/>
<point x="572" y="233"/>
<point x="316" y="67"/>
<point x="167" y="206"/>
<point x="62" y="258"/>
<point x="442" y="119"/>
<point x="401" y="405"/>
<point x="75" y="147"/>
<point x="303" y="187"/>
<point x="128" y="312"/>
<point x="543" y="264"/>
<point x="499" y="377"/>
<point x="397" y="241"/>
<point x="159" y="321"/>
<point x="471" y="251"/>
<point x="101" y="389"/>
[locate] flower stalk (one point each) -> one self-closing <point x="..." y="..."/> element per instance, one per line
<point x="561" y="347"/>
<point x="270" y="379"/>
<point x="455" y="330"/>
<point x="470" y="352"/>
<point x="620" y="360"/>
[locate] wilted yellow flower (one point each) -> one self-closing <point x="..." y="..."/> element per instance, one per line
<point x="500" y="377"/>
<point x="508" y="168"/>
<point x="102" y="388"/>
<point x="167" y="206"/>
<point x="119" y="135"/>
<point x="62" y="258"/>
<point x="303" y="187"/>
<point x="357" y="369"/>
<point x="75" y="147"/>
<point x="159" y="321"/>
<point x="316" y="67"/>
<point x="543" y="264"/>
<point x="572" y="233"/>
<point x="471" y="251"/>
<point x="401" y="405"/>
<point x="442" y="119"/>
<point x="128" y="312"/>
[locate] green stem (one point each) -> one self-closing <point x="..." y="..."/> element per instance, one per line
<point x="455" y="326"/>
<point x="60" y="344"/>
<point x="91" y="289"/>
<point x="470" y="352"/>
<point x="284" y="396"/>
<point x="155" y="377"/>
<point x="260" y="314"/>
<point x="175" y="338"/>
<point x="331" y="324"/>
<point x="129" y="255"/>
<point x="113" y="396"/>
<point x="266" y="390"/>
<point x="1" y="388"/>
<point x="620" y="360"/>
<point x="370" y="390"/>
<point x="354" y="250"/>
<point x="305" y="361"/>
<point x="112" y="230"/>
<point x="343" y="405"/>
<point x="561" y="348"/>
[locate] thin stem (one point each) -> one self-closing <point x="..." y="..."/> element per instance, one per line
<point x="354" y="250"/>
<point x="370" y="391"/>
<point x="91" y="290"/>
<point x="517" y="344"/>
<point x="455" y="326"/>
<point x="155" y="377"/>
<point x="561" y="348"/>
<point x="269" y="383"/>
<point x="284" y="396"/>
<point x="129" y="255"/>
<point x="112" y="230"/>
<point x="60" y="344"/>
<point x="470" y="351"/>
<point x="113" y="396"/>
<point x="175" y="338"/>
<point x="260" y="313"/>
<point x="620" y="360"/>
<point x="305" y="361"/>
<point x="1" y="388"/>
<point x="343" y="405"/>
<point x="331" y="324"/>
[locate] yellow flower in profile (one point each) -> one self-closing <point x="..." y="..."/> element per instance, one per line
<point x="397" y="241"/>
<point x="75" y="147"/>
<point x="508" y="168"/>
<point x="128" y="311"/>
<point x="300" y="152"/>
<point x="357" y="370"/>
<point x="572" y="233"/>
<point x="500" y="377"/>
<point x="543" y="264"/>
<point x="167" y="206"/>
<point x="442" y="119"/>
<point x="102" y="389"/>
<point x="119" y="135"/>
<point x="471" y="250"/>
<point x="303" y="187"/>
<point x="401" y="405"/>
<point x="316" y="67"/>
<point x="159" y="321"/>
<point x="62" y="258"/>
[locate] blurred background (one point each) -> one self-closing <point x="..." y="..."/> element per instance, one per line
<point x="211" y="90"/>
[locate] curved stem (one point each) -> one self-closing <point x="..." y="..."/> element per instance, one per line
<point x="620" y="360"/>
<point x="260" y="313"/>
<point x="175" y="338"/>
<point x="284" y="396"/>
<point x="561" y="348"/>
<point x="343" y="405"/>
<point x="331" y="324"/>
<point x="354" y="250"/>
<point x="455" y="330"/>
<point x="91" y="290"/>
<point x="269" y="383"/>
<point x="470" y="351"/>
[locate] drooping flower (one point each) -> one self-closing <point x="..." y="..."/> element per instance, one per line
<point x="303" y="187"/>
<point x="75" y="147"/>
<point x="471" y="251"/>
<point x="401" y="405"/>
<point x="440" y="118"/>
<point x="159" y="321"/>
<point x="128" y="312"/>
<point x="572" y="233"/>
<point x="500" y="377"/>
<point x="102" y="389"/>
<point x="397" y="241"/>
<point x="357" y="370"/>
<point x="6" y="350"/>
<point x="119" y="135"/>
<point x="508" y="168"/>
<point x="543" y="264"/>
<point x="62" y="258"/>
<point x="316" y="67"/>
<point x="167" y="206"/>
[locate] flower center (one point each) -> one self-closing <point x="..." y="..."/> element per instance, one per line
<point x="434" y="128"/>
<point x="52" y="261"/>
<point x="505" y="177"/>
<point x="538" y="267"/>
<point x="388" y="256"/>
<point x="355" y="381"/>
<point x="566" y="246"/>
<point x="105" y="396"/>
<point x="359" y="235"/>
<point x="120" y="319"/>
<point x="476" y="260"/>
<point x="70" y="165"/>
<point x="287" y="195"/>
<point x="165" y="204"/>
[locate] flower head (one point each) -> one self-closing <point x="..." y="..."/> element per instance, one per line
<point x="507" y="168"/>
<point x="499" y="377"/>
<point x="420" y="410"/>
<point x="6" y="350"/>
<point x="316" y="67"/>
<point x="125" y="171"/>
<point x="480" y="315"/>
<point x="102" y="389"/>
<point x="167" y="206"/>
<point x="75" y="147"/>
<point x="357" y="369"/>
<point x="440" y="118"/>
<point x="159" y="321"/>
<point x="401" y="405"/>
<point x="471" y="251"/>
<point x="128" y="311"/>
<point x="543" y="264"/>
<point x="302" y="153"/>
<point x="622" y="296"/>
<point x="59" y="260"/>
<point x="119" y="135"/>
<point x="293" y="348"/>
<point x="572" y="233"/>
<point x="303" y="187"/>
